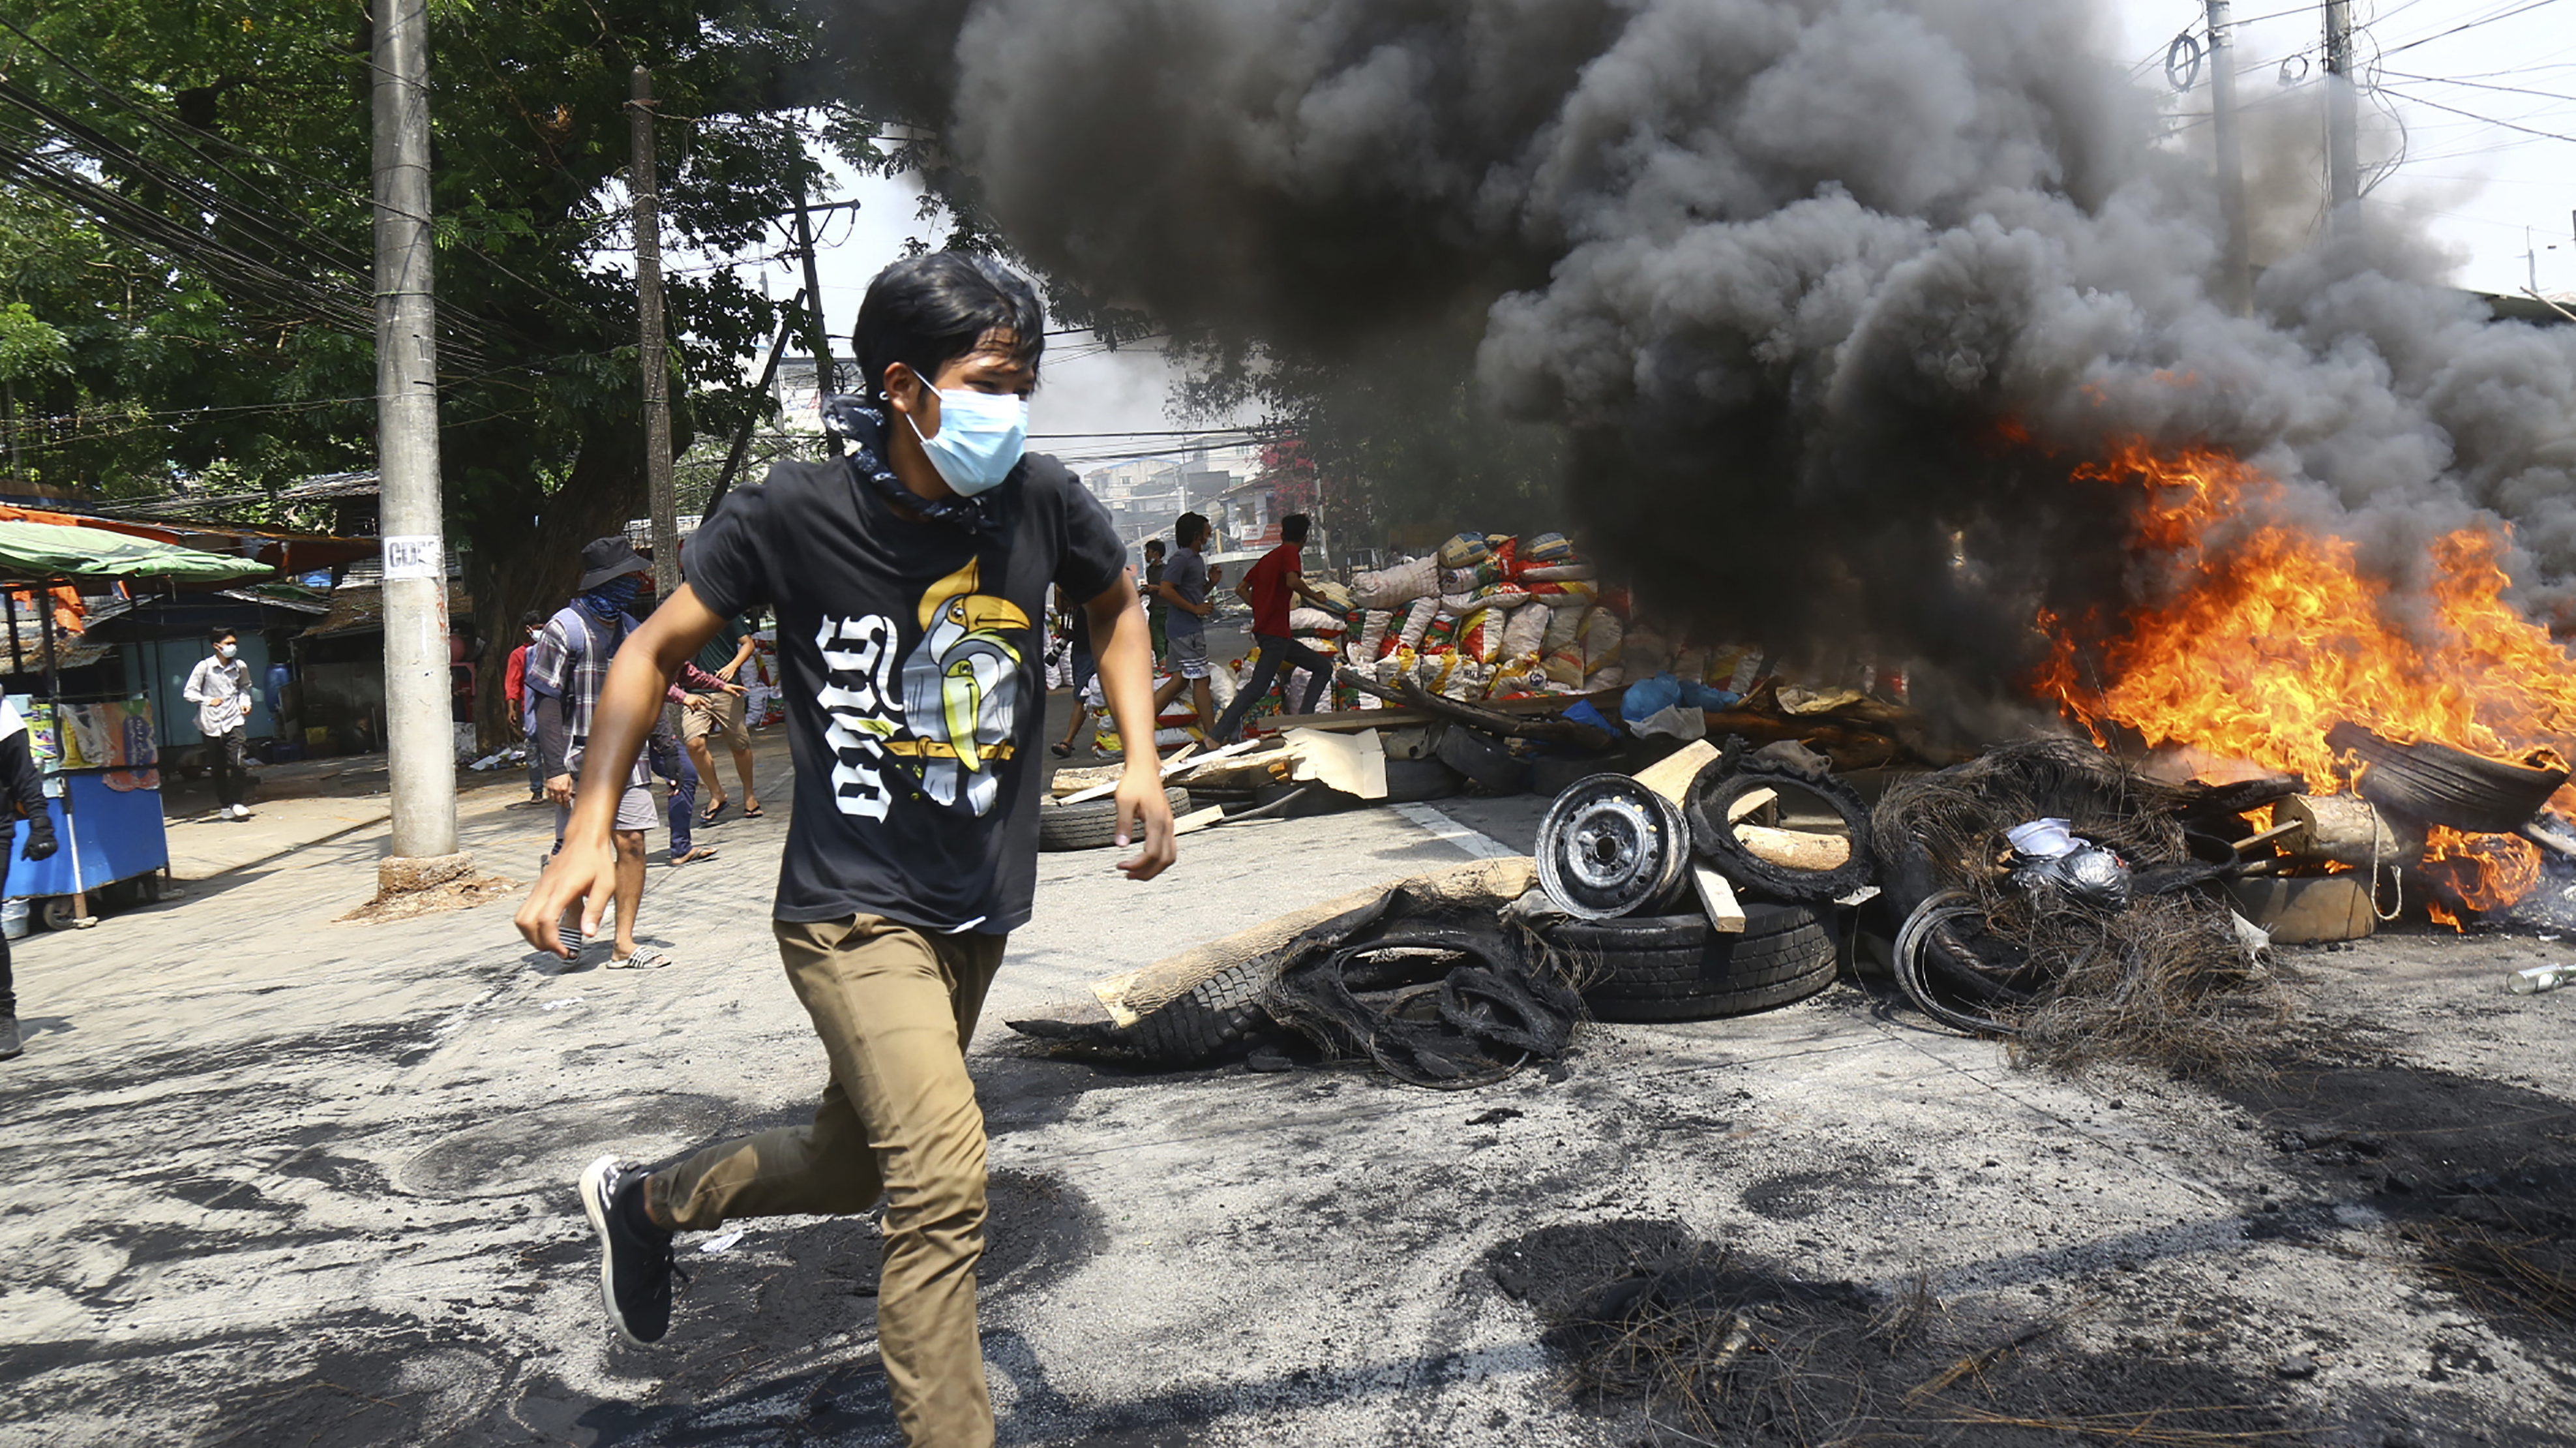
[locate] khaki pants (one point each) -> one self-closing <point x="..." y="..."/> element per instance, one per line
<point x="895" y="1008"/>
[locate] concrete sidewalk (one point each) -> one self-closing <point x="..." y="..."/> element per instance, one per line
<point x="276" y="1179"/>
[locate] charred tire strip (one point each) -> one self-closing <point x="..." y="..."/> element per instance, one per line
<point x="1092" y="823"/>
<point x="1218" y="1019"/>
<point x="1486" y="761"/>
<point x="1713" y="834"/>
<point x="1674" y="968"/>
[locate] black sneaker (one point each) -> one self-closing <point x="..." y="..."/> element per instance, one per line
<point x="635" y="1266"/>
<point x="10" y="1045"/>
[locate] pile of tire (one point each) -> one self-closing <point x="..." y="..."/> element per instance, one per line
<point x="1616" y="858"/>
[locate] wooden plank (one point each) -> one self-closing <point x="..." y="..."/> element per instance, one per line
<point x="1180" y="760"/>
<point x="1717" y="898"/>
<point x="1394" y="717"/>
<point x="1671" y="775"/>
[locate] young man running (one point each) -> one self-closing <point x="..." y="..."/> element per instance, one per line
<point x="1185" y="589"/>
<point x="1268" y="588"/>
<point x="909" y="580"/>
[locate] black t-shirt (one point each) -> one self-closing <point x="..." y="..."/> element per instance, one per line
<point x="914" y="664"/>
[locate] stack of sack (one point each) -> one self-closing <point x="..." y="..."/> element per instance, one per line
<point x="1489" y="616"/>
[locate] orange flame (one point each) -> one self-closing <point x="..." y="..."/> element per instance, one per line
<point x="2273" y="633"/>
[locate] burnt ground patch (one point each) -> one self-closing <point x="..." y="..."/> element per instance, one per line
<point x="1688" y="1342"/>
<point x="2479" y="1177"/>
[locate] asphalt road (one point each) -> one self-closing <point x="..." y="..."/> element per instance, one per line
<point x="271" y="1178"/>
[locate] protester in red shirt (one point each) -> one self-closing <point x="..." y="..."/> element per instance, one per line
<point x="1268" y="587"/>
<point x="514" y="687"/>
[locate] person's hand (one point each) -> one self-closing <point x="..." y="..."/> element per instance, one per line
<point x="245" y="708"/>
<point x="559" y="789"/>
<point x="583" y="874"/>
<point x="737" y="690"/>
<point x="41" y="844"/>
<point x="702" y="704"/>
<point x="1142" y="802"/>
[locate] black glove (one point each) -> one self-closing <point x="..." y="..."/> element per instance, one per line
<point x="40" y="841"/>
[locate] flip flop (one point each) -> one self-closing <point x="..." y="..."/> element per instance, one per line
<point x="714" y="812"/>
<point x="644" y="958"/>
<point x="753" y="813"/>
<point x="702" y="852"/>
<point x="1061" y="751"/>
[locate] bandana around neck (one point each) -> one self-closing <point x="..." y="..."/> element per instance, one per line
<point x="862" y="425"/>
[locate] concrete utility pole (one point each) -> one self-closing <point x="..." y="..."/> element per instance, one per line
<point x="2235" y="264"/>
<point x="2343" y="116"/>
<point x="419" y="743"/>
<point x="652" y="351"/>
<point x="826" y="381"/>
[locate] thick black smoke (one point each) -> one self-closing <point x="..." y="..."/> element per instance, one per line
<point x="1787" y="271"/>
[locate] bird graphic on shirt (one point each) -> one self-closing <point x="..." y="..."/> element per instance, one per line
<point x="961" y="690"/>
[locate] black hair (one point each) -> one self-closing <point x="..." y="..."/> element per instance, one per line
<point x="1191" y="529"/>
<point x="532" y="618"/>
<point x="927" y="311"/>
<point x="1153" y="545"/>
<point x="1292" y="529"/>
<point x="218" y="635"/>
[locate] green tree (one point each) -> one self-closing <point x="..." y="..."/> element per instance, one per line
<point x="184" y="202"/>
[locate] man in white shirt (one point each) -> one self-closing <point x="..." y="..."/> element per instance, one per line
<point x="220" y="688"/>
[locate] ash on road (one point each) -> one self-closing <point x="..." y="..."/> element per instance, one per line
<point x="273" y="1179"/>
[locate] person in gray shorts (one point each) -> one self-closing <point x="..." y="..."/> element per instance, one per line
<point x="1185" y="589"/>
<point x="567" y="666"/>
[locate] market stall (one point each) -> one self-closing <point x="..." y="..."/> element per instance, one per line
<point x="99" y="755"/>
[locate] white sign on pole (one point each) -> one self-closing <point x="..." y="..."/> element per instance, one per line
<point x="414" y="557"/>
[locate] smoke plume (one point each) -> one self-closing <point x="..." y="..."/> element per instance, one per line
<point x="1829" y="296"/>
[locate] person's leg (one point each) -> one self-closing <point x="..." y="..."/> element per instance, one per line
<point x="1315" y="676"/>
<point x="528" y="732"/>
<point x="895" y="1010"/>
<point x="8" y="1005"/>
<point x="734" y="710"/>
<point x="1084" y="667"/>
<point x="228" y="769"/>
<point x="1263" y="673"/>
<point x="673" y="764"/>
<point x="630" y="887"/>
<point x="1202" y="702"/>
<point x="703" y="761"/>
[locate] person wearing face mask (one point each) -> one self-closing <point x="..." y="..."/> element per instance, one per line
<point x="909" y="580"/>
<point x="567" y="668"/>
<point x="220" y="688"/>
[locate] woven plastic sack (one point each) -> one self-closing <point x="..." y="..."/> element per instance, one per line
<point x="1526" y="632"/>
<point x="1480" y="637"/>
<point x="1561" y="652"/>
<point x="1461" y="580"/>
<point x="1601" y="636"/>
<point x="1315" y="621"/>
<point x="1466" y="550"/>
<point x="1460" y="604"/>
<point x="1557" y="573"/>
<point x="1541" y="549"/>
<point x="1417" y="622"/>
<point x="1516" y="676"/>
<point x="1466" y="683"/>
<point x="1433" y="669"/>
<point x="1572" y="594"/>
<point x="1443" y="631"/>
<point x="1338" y="594"/>
<point x="1375" y="625"/>
<point x="1395" y="587"/>
<point x="1644" y="651"/>
<point x="1502" y="596"/>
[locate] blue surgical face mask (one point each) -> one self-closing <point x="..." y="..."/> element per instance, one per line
<point x="981" y="437"/>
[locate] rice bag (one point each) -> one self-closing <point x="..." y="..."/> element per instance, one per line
<point x="1417" y="622"/>
<point x="1526" y="633"/>
<point x="1557" y="573"/>
<point x="1338" y="596"/>
<point x="1375" y="625"/>
<point x="1561" y="651"/>
<point x="1443" y="631"/>
<point x="1516" y="676"/>
<point x="1466" y="550"/>
<point x="1460" y="580"/>
<point x="1573" y="593"/>
<point x="1315" y="621"/>
<point x="1480" y="636"/>
<point x="1600" y="636"/>
<point x="1501" y="595"/>
<point x="1397" y="586"/>
<point x="1543" y="549"/>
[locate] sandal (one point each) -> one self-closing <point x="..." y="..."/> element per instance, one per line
<point x="644" y="958"/>
<point x="702" y="852"/>
<point x="1061" y="750"/>
<point x="714" y="812"/>
<point x="753" y="812"/>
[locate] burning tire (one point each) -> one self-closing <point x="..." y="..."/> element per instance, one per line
<point x="2438" y="785"/>
<point x="1675" y="968"/>
<point x="1092" y="823"/>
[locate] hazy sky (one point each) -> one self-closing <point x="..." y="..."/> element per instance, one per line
<point x="2486" y="90"/>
